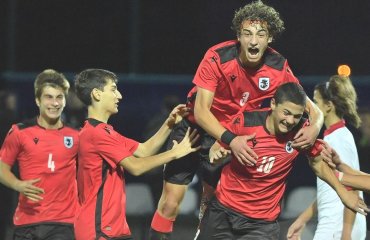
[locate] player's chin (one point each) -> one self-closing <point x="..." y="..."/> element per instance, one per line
<point x="115" y="111"/>
<point x="54" y="115"/>
<point x="283" y="128"/>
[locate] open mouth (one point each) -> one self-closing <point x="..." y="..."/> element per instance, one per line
<point x="253" y="51"/>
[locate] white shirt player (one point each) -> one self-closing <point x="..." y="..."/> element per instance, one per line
<point x="329" y="205"/>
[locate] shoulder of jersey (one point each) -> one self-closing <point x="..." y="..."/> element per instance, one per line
<point x="225" y="51"/>
<point x="27" y="123"/>
<point x="274" y="59"/>
<point x="255" y="118"/>
<point x="228" y="51"/>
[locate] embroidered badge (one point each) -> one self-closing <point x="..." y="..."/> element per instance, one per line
<point x="68" y="142"/>
<point x="264" y="83"/>
<point x="288" y="147"/>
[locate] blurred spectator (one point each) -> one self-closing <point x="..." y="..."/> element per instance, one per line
<point x="8" y="116"/>
<point x="154" y="177"/>
<point x="75" y="112"/>
<point x="168" y="103"/>
<point x="8" y="112"/>
<point x="363" y="146"/>
<point x="364" y="141"/>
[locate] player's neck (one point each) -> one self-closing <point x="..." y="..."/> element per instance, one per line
<point x="331" y="119"/>
<point x="49" y="123"/>
<point x="98" y="114"/>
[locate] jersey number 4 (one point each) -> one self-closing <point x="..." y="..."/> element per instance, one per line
<point x="266" y="165"/>
<point x="51" y="163"/>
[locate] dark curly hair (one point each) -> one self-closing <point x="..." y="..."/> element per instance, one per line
<point x="259" y="11"/>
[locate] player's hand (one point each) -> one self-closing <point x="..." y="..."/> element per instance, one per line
<point x="177" y="114"/>
<point x="305" y="137"/>
<point x="186" y="145"/>
<point x="28" y="189"/>
<point x="353" y="201"/>
<point x="243" y="153"/>
<point x="295" y="230"/>
<point x="326" y="154"/>
<point x="330" y="156"/>
<point x="217" y="153"/>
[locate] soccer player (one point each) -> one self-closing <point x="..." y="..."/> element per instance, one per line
<point x="247" y="202"/>
<point x="337" y="100"/>
<point x="233" y="74"/>
<point x="46" y="151"/>
<point x="104" y="155"/>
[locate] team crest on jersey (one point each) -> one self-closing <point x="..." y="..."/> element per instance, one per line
<point x="264" y="83"/>
<point x="288" y="147"/>
<point x="244" y="99"/>
<point x="68" y="142"/>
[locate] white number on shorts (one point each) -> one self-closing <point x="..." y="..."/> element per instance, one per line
<point x="266" y="164"/>
<point x="51" y="163"/>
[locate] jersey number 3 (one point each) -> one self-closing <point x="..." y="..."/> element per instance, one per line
<point x="266" y="165"/>
<point x="51" y="163"/>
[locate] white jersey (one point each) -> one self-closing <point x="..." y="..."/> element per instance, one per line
<point x="329" y="205"/>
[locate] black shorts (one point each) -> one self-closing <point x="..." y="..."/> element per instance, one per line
<point x="44" y="231"/>
<point x="220" y="222"/>
<point x="182" y="171"/>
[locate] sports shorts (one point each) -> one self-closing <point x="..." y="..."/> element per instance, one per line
<point x="44" y="231"/>
<point x="182" y="171"/>
<point x="220" y="222"/>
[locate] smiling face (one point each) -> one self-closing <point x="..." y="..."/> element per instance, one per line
<point x="284" y="116"/>
<point x="51" y="103"/>
<point x="110" y="97"/>
<point x="254" y="39"/>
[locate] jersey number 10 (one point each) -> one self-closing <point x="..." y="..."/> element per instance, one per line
<point x="266" y="164"/>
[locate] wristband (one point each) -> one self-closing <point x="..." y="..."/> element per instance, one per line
<point x="227" y="137"/>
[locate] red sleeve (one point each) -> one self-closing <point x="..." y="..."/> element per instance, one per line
<point x="11" y="146"/>
<point x="315" y="150"/>
<point x="206" y="75"/>
<point x="289" y="76"/>
<point x="113" y="147"/>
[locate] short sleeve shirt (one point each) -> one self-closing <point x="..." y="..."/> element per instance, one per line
<point x="50" y="155"/>
<point x="101" y="182"/>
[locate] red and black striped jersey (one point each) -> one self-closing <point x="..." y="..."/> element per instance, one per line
<point x="256" y="191"/>
<point x="48" y="154"/>
<point x="234" y="86"/>
<point x="101" y="182"/>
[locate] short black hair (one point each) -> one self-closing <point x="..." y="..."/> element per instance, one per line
<point x="89" y="79"/>
<point x="290" y="92"/>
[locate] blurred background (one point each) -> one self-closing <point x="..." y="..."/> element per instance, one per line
<point x="155" y="48"/>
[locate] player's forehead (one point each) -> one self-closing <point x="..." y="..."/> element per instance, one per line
<point x="249" y="24"/>
<point x="110" y="83"/>
<point x="52" y="91"/>
<point x="291" y="107"/>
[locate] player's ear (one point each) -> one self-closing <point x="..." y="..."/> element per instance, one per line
<point x="329" y="106"/>
<point x="96" y="94"/>
<point x="269" y="40"/>
<point x="272" y="103"/>
<point x="37" y="102"/>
